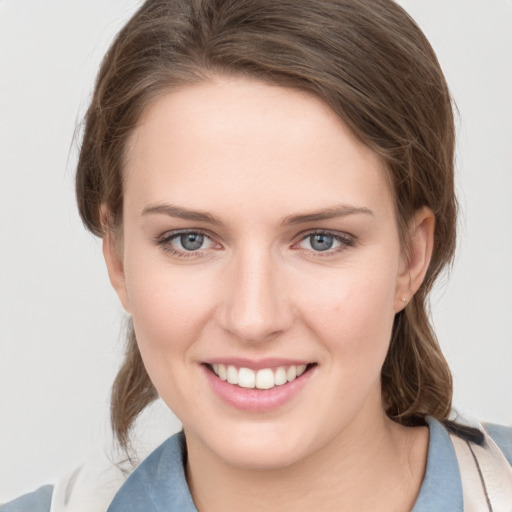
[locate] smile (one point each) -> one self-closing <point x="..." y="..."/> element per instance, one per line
<point x="265" y="378"/>
<point x="258" y="386"/>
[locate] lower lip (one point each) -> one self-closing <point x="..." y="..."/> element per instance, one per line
<point x="256" y="400"/>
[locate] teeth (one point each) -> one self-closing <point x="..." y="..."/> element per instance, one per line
<point x="265" y="378"/>
<point x="222" y="372"/>
<point x="246" y="378"/>
<point x="291" y="373"/>
<point x="280" y="376"/>
<point x="232" y="375"/>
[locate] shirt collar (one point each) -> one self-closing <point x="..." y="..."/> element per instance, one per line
<point x="158" y="484"/>
<point x="441" y="488"/>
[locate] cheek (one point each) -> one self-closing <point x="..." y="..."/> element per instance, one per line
<point x="166" y="306"/>
<point x="354" y="315"/>
<point x="168" y="317"/>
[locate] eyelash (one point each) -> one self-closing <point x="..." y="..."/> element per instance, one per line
<point x="346" y="241"/>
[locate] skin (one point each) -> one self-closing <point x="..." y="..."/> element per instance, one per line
<point x="253" y="156"/>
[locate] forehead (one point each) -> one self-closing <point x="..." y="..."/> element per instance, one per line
<point x="234" y="139"/>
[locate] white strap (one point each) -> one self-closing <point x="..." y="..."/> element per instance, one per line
<point x="486" y="476"/>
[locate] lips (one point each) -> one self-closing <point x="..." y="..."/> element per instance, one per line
<point x="260" y="386"/>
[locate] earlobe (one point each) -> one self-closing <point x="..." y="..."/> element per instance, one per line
<point x="115" y="269"/>
<point x="417" y="260"/>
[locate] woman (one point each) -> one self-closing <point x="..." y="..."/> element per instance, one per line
<point x="273" y="183"/>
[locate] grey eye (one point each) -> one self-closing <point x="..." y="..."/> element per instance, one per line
<point x="324" y="242"/>
<point x="321" y="242"/>
<point x="191" y="241"/>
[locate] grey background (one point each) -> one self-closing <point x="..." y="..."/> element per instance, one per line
<point x="60" y="339"/>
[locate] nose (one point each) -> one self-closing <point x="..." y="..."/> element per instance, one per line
<point x="255" y="305"/>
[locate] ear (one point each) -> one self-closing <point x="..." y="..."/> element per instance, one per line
<point x="415" y="261"/>
<point x="115" y="268"/>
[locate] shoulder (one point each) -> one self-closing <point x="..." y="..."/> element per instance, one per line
<point x="502" y="436"/>
<point x="489" y="438"/>
<point x="485" y="467"/>
<point x="90" y="487"/>
<point x="37" y="501"/>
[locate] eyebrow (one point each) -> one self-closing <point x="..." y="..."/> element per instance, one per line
<point x="303" y="218"/>
<point x="328" y="213"/>
<point x="182" y="213"/>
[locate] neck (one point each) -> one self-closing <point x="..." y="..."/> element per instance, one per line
<point x="378" y="468"/>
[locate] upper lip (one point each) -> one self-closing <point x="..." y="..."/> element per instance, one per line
<point x="256" y="364"/>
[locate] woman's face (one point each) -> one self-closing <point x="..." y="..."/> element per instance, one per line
<point x="259" y="238"/>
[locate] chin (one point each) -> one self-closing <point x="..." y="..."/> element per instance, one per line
<point x="259" y="446"/>
<point x="262" y="455"/>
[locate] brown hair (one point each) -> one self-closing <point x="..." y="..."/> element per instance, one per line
<point x="369" y="62"/>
